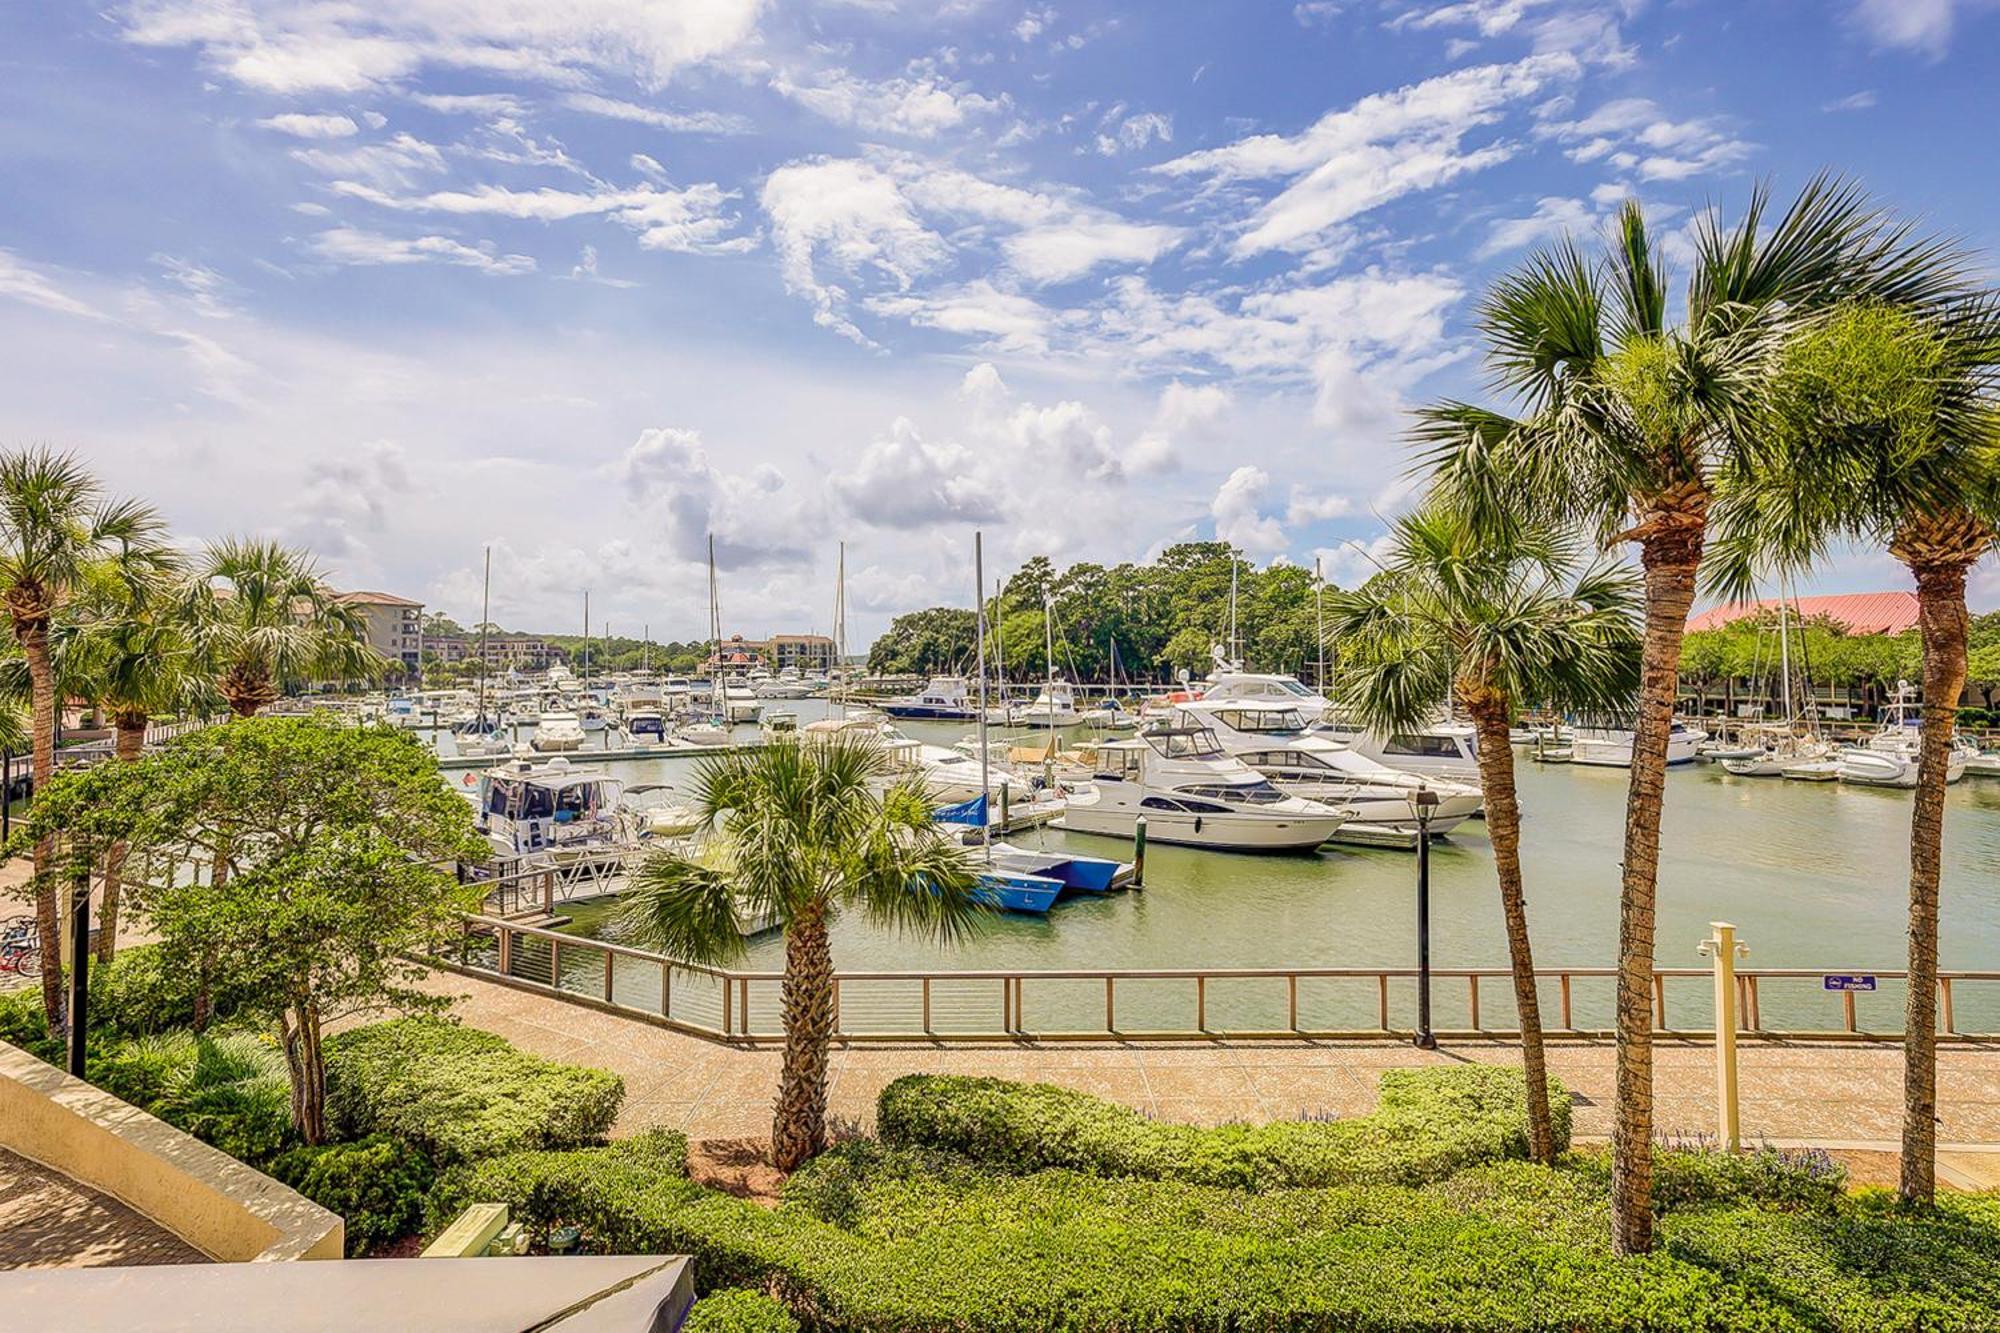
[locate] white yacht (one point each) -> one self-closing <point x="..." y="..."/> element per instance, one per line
<point x="948" y="776"/>
<point x="1768" y="751"/>
<point x="1054" y="706"/>
<point x="740" y="702"/>
<point x="656" y="810"/>
<point x="645" y="726"/>
<point x="944" y="698"/>
<point x="1444" y="749"/>
<point x="1193" y="794"/>
<point x="1611" y="746"/>
<point x="549" y="809"/>
<point x="557" y="732"/>
<point x="787" y="684"/>
<point x="1380" y="801"/>
<point x="1890" y="757"/>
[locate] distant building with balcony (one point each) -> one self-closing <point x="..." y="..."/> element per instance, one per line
<point x="808" y="654"/>
<point x="393" y="625"/>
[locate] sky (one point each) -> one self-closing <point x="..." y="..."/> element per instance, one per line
<point x="587" y="282"/>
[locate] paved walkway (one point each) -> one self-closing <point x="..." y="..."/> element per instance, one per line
<point x="1840" y="1094"/>
<point x="48" y="1220"/>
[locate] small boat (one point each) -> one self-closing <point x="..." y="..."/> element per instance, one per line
<point x="656" y="810"/>
<point x="1193" y="794"/>
<point x="1890" y="756"/>
<point x="557" y="732"/>
<point x="1109" y="716"/>
<point x="1018" y="891"/>
<point x="1054" y="706"/>
<point x="779" y="722"/>
<point x="1084" y="874"/>
<point x="1984" y="764"/>
<point x="943" y="699"/>
<point x="1610" y="746"/>
<point x="706" y="731"/>
<point x="1811" y="770"/>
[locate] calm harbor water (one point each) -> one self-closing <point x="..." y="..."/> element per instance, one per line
<point x="1814" y="876"/>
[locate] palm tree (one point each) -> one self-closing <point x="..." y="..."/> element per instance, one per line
<point x="260" y="614"/>
<point x="126" y="649"/>
<point x="55" y="523"/>
<point x="799" y="833"/>
<point x="1628" y="422"/>
<point x="1491" y="622"/>
<point x="1886" y="427"/>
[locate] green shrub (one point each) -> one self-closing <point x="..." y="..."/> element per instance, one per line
<point x="1701" y="1175"/>
<point x="23" y="1024"/>
<point x="229" y="1089"/>
<point x="739" y="1311"/>
<point x="1428" y="1123"/>
<point x="377" y="1185"/>
<point x="138" y="994"/>
<point x="460" y="1093"/>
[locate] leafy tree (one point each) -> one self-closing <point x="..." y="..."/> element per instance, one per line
<point x="259" y="615"/>
<point x="55" y="525"/>
<point x="1885" y="426"/>
<point x="801" y="834"/>
<point x="1631" y="423"/>
<point x="328" y="841"/>
<point x="1491" y="622"/>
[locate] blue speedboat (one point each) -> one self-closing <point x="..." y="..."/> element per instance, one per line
<point x="1084" y="874"/>
<point x="943" y="699"/>
<point x="1019" y="892"/>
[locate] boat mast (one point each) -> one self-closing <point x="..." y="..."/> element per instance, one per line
<point x="985" y="778"/>
<point x="840" y="624"/>
<point x="1235" y="638"/>
<point x="1784" y="654"/>
<point x="1319" y="618"/>
<point x="1049" y="647"/>
<point x="586" y="636"/>
<point x="485" y="614"/>
<point x="715" y="629"/>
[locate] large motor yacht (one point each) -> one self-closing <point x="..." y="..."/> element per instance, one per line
<point x="551" y="811"/>
<point x="944" y="698"/>
<point x="1444" y="749"/>
<point x="1889" y="757"/>
<point x="1609" y="744"/>
<point x="1380" y="801"/>
<point x="1194" y="794"/>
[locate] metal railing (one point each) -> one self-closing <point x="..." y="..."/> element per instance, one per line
<point x="1190" y="1003"/>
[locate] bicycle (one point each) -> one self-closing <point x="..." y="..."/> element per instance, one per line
<point x="20" y="947"/>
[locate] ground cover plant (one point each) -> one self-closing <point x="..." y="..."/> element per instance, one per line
<point x="976" y="1229"/>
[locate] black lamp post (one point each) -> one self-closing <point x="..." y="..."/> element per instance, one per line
<point x="1426" y="802"/>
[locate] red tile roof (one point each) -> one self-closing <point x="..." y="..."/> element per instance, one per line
<point x="377" y="599"/>
<point x="1861" y="612"/>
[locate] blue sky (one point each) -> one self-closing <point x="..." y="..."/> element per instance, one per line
<point x="588" y="281"/>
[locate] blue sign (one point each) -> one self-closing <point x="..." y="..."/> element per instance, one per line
<point x="1849" y="983"/>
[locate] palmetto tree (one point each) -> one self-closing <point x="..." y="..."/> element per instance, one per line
<point x="1885" y="427"/>
<point x="260" y="614"/>
<point x="1491" y="621"/>
<point x="55" y="524"/>
<point x="800" y="832"/>
<point x="126" y="648"/>
<point x="1628" y="422"/>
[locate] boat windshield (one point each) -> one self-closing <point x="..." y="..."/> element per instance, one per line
<point x="1237" y="793"/>
<point x="1261" y="719"/>
<point x="1184" y="742"/>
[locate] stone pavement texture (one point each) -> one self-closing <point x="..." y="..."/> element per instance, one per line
<point x="1832" y="1094"/>
<point x="48" y="1220"/>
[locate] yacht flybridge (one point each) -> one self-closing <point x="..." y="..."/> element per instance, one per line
<point x="550" y="811"/>
<point x="1192" y="793"/>
<point x="1380" y="801"/>
<point x="1444" y="749"/>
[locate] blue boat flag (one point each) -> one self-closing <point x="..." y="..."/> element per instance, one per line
<point x="972" y="813"/>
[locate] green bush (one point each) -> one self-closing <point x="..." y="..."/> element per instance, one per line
<point x="229" y="1089"/>
<point x="1700" y="1175"/>
<point x="1428" y="1123"/>
<point x="739" y="1311"/>
<point x="1502" y="1246"/>
<point x="377" y="1185"/>
<point x="136" y="995"/>
<point x="460" y="1093"/>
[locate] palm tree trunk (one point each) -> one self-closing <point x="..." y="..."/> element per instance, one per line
<point x="33" y="635"/>
<point x="798" y="1127"/>
<point x="130" y="745"/>
<point x="1942" y="616"/>
<point x="1503" y="826"/>
<point x="1671" y="558"/>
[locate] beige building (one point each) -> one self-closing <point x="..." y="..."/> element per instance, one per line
<point x="395" y="625"/>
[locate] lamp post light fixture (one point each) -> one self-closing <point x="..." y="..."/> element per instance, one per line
<point x="1426" y="802"/>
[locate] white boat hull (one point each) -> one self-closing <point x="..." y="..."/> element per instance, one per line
<point x="1112" y="809"/>
<point x="1612" y="752"/>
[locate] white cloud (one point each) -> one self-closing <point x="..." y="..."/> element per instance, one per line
<point x="1384" y="146"/>
<point x="349" y="245"/>
<point x="311" y="127"/>
<point x="850" y="214"/>
<point x="1554" y="216"/>
<point x="1034" y="22"/>
<point x="1860" y="101"/>
<point x="997" y="320"/>
<point x="1058" y="252"/>
<point x="1237" y="512"/>
<point x="340" y="507"/>
<point x="1187" y="413"/>
<point x="754" y="518"/>
<point x="1304" y="507"/>
<point x="1490" y="18"/>
<point x="921" y="107"/>
<point x="396" y="164"/>
<point x="902" y="480"/>
<point x="695" y="220"/>
<point x="1632" y="134"/>
<point x="1135" y="132"/>
<point x="1311" y="12"/>
<point x="295" y="46"/>
<point x="1925" y="26"/>
<point x="19" y="282"/>
<point x="680" y="122"/>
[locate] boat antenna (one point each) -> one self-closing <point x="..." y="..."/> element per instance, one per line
<point x="485" y="615"/>
<point x="985" y="760"/>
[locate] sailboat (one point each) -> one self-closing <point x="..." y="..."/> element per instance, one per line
<point x="1780" y="748"/>
<point x="1055" y="706"/>
<point x="711" y="728"/>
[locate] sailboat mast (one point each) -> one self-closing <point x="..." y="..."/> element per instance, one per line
<point x="1785" y="653"/>
<point x="715" y="630"/>
<point x="485" y="614"/>
<point x="840" y="623"/>
<point x="586" y="635"/>
<point x="1235" y="638"/>
<point x="985" y="761"/>
<point x="1319" y="619"/>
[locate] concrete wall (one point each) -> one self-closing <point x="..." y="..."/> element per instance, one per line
<point x="206" y="1197"/>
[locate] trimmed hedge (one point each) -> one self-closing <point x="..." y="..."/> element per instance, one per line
<point x="460" y="1093"/>
<point x="1427" y="1124"/>
<point x="1504" y="1246"/>
<point x="739" y="1311"/>
<point x="378" y="1185"/>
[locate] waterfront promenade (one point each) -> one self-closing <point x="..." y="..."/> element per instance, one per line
<point x="1836" y="1095"/>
